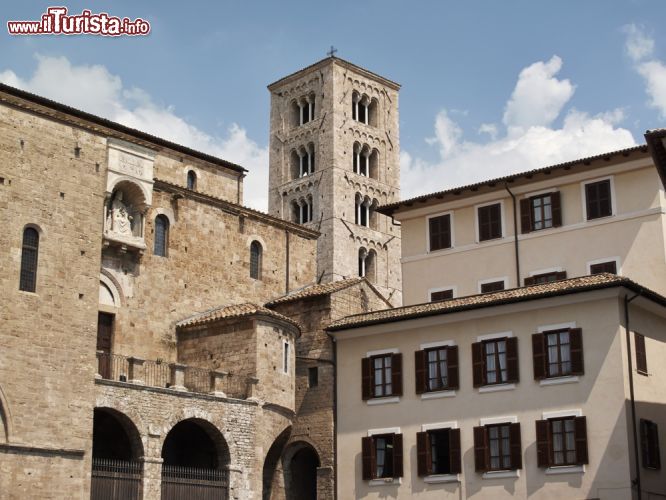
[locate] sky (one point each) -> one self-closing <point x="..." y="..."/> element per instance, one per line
<point x="489" y="88"/>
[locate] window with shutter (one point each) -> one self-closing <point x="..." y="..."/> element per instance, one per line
<point x="497" y="447"/>
<point x="381" y="376"/>
<point x="382" y="456"/>
<point x="439" y="232"/>
<point x="604" y="267"/>
<point x="557" y="353"/>
<point x="438" y="452"/>
<point x="539" y="279"/>
<point x="641" y="354"/>
<point x="493" y="286"/>
<point x="440" y="368"/>
<point x="650" y="444"/>
<point x="29" y="255"/>
<point x="561" y="442"/>
<point x="441" y="295"/>
<point x="489" y="220"/>
<point x="598" y="201"/>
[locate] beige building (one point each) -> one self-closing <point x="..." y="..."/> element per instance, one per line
<point x="553" y="391"/>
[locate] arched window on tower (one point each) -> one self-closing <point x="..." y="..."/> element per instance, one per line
<point x="303" y="161"/>
<point x="161" y="235"/>
<point x="255" y="260"/>
<point x="362" y="210"/>
<point x="303" y="109"/>
<point x="364" y="109"/>
<point x="29" y="255"/>
<point x="192" y="180"/>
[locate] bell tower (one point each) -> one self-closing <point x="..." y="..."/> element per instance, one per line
<point x="334" y="158"/>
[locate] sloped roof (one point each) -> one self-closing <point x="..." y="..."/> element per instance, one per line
<point x="319" y="290"/>
<point x="534" y="292"/>
<point x="231" y="312"/>
<point x="655" y="141"/>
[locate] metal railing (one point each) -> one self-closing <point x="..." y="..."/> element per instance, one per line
<point x="193" y="482"/>
<point x="112" y="479"/>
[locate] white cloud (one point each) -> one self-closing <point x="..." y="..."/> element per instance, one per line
<point x="95" y="90"/>
<point x="638" y="44"/>
<point x="528" y="140"/>
<point x="640" y="48"/>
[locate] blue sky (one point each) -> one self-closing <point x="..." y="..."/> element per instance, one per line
<point x="489" y="87"/>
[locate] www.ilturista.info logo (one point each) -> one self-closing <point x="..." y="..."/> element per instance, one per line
<point x="56" y="21"/>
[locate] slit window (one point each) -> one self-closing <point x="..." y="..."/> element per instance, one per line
<point x="161" y="235"/>
<point x="29" y="255"/>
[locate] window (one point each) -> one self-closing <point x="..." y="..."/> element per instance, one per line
<point x="382" y="456"/>
<point x="366" y="264"/>
<point x="255" y="260"/>
<point x="490" y="222"/>
<point x="29" y="253"/>
<point x="161" y="235"/>
<point x="561" y="442"/>
<point x="303" y="109"/>
<point x="497" y="447"/>
<point x="650" y="445"/>
<point x="436" y="369"/>
<point x="604" y="267"/>
<point x="365" y="213"/>
<point x="598" y="201"/>
<point x="313" y="376"/>
<point x="438" y="452"/>
<point x="540" y="212"/>
<point x="302" y="210"/>
<point x="492" y="286"/>
<point x="558" y="353"/>
<point x="495" y="361"/>
<point x="285" y="357"/>
<point x="191" y="180"/>
<point x="540" y="279"/>
<point x="439" y="232"/>
<point x="641" y="354"/>
<point x="382" y="375"/>
<point x="441" y="295"/>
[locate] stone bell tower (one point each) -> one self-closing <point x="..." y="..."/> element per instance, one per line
<point x="334" y="158"/>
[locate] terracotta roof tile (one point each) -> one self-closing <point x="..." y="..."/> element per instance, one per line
<point x="233" y="311"/>
<point x="315" y="291"/>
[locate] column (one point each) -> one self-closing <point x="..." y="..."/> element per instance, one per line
<point x="309" y="161"/>
<point x="300" y="113"/>
<point x="217" y="382"/>
<point x="178" y="377"/>
<point x="136" y="371"/>
<point x="301" y="163"/>
<point x="152" y="478"/>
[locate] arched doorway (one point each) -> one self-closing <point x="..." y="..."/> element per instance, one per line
<point x="301" y="462"/>
<point x="196" y="462"/>
<point x="117" y="468"/>
<point x="273" y="487"/>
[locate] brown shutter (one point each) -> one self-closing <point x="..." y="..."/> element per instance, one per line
<point x="539" y="355"/>
<point x="478" y="371"/>
<point x="512" y="359"/>
<point x="561" y="275"/>
<point x="420" y="364"/>
<point x="641" y="355"/>
<point x="367" y="448"/>
<point x="529" y="281"/>
<point x="525" y="216"/>
<point x="516" y="448"/>
<point x="543" y="443"/>
<point x="366" y="378"/>
<point x="655" y="457"/>
<point x="581" y="440"/>
<point x="396" y="374"/>
<point x="480" y="449"/>
<point x="576" y="343"/>
<point x="645" y="448"/>
<point x="397" y="455"/>
<point x="455" y="459"/>
<point x="556" y="207"/>
<point x="452" y="367"/>
<point x="423" y="458"/>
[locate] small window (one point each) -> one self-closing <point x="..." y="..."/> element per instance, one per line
<point x="650" y="445"/>
<point x="497" y="447"/>
<point x="439" y="232"/>
<point x="313" y="376"/>
<point x="382" y="456"/>
<point x="604" y="267"/>
<point x="441" y="295"/>
<point x="438" y="452"/>
<point x="192" y="180"/>
<point x="490" y="222"/>
<point x="561" y="442"/>
<point x="598" y="199"/>
<point x="285" y="357"/>
<point x="641" y="354"/>
<point x="255" y="260"/>
<point x="436" y="369"/>
<point x="493" y="286"/>
<point x="558" y="353"/>
<point x="495" y="361"/>
<point x="29" y="254"/>
<point x="161" y="235"/>
<point x="382" y="376"/>
<point x="540" y="279"/>
<point x="540" y="212"/>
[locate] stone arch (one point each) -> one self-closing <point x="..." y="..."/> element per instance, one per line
<point x="167" y="212"/>
<point x="196" y="442"/>
<point x="138" y="192"/>
<point x="110" y="280"/>
<point x="5" y="419"/>
<point x="271" y="482"/>
<point x="115" y="435"/>
<point x="300" y="460"/>
<point x="108" y="293"/>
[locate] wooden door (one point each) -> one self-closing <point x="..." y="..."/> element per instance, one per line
<point x="104" y="343"/>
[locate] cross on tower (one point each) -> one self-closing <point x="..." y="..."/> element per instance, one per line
<point x="332" y="52"/>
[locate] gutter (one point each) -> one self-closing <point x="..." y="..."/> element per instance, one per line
<point x="515" y="234"/>
<point x="637" y="480"/>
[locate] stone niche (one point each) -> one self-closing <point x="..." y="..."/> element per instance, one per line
<point x="129" y="195"/>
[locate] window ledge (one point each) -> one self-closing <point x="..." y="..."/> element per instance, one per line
<point x="570" y="379"/>
<point x="501" y="474"/>
<point x="566" y="469"/>
<point x="438" y="394"/>
<point x="497" y="388"/>
<point x="387" y="481"/>
<point x="383" y="401"/>
<point x="441" y="478"/>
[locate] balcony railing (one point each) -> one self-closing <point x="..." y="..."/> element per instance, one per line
<point x="174" y="376"/>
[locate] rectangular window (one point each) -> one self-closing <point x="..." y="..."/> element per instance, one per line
<point x="381" y="367"/>
<point x="561" y="442"/>
<point x="285" y="358"/>
<point x="564" y="441"/>
<point x="441" y="295"/>
<point x="641" y="354"/>
<point x="382" y="456"/>
<point x="382" y="376"/>
<point x="497" y="447"/>
<point x="313" y="376"/>
<point x="439" y="232"/>
<point x="495" y="361"/>
<point x="650" y="445"/>
<point x="540" y="279"/>
<point x="604" y="267"/>
<point x="598" y="199"/>
<point x="494" y="286"/>
<point x="490" y="222"/>
<point x="540" y="212"/>
<point x="436" y="369"/>
<point x="438" y="452"/>
<point x="558" y="353"/>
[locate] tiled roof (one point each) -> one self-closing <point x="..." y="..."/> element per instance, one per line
<point x="315" y="291"/>
<point x="233" y="311"/>
<point x="564" y="287"/>
<point x="391" y="208"/>
<point x="655" y="143"/>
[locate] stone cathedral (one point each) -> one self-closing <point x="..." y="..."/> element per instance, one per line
<point x="159" y="339"/>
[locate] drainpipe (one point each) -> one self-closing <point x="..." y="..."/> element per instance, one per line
<point x="637" y="481"/>
<point x="515" y="234"/>
<point x="286" y="265"/>
<point x="335" y="415"/>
